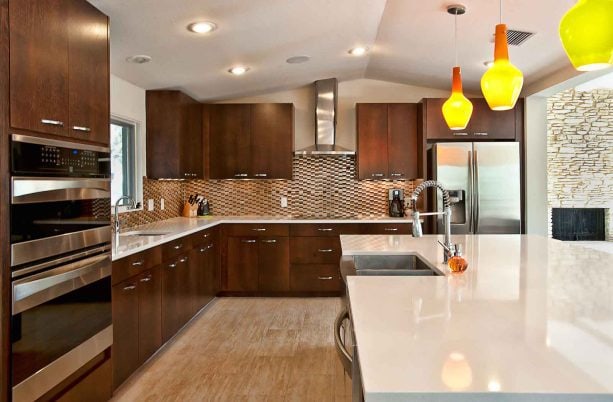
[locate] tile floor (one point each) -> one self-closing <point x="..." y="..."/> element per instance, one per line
<point x="248" y="349"/>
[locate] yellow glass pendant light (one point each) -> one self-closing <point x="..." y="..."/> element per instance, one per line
<point x="457" y="110"/>
<point x="501" y="84"/>
<point x="586" y="31"/>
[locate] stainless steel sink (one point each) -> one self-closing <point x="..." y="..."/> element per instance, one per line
<point x="143" y="233"/>
<point x="387" y="265"/>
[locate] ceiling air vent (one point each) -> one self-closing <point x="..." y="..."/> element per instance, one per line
<point x="516" y="38"/>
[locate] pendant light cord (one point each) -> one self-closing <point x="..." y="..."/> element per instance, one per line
<point x="455" y="20"/>
<point x="500" y="11"/>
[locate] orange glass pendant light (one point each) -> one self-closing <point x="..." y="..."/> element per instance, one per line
<point x="586" y="31"/>
<point x="457" y="110"/>
<point x="501" y="84"/>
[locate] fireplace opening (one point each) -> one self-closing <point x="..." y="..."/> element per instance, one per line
<point x="586" y="224"/>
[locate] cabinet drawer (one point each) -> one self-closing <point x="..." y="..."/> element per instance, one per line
<point x="315" y="250"/>
<point x="175" y="247"/>
<point x="202" y="238"/>
<point x="323" y="229"/>
<point x="315" y="278"/>
<point x="135" y="264"/>
<point x="254" y="229"/>
<point x="386" y="228"/>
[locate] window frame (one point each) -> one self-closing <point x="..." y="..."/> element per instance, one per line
<point x="138" y="161"/>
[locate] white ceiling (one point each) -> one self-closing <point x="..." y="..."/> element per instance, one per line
<point x="411" y="42"/>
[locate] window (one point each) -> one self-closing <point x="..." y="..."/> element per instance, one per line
<point x="124" y="167"/>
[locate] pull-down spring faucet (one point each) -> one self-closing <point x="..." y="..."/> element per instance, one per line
<point x="417" y="230"/>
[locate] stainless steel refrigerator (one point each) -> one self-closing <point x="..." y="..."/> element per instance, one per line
<point x="483" y="180"/>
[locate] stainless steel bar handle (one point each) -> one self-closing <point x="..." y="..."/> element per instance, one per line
<point x="202" y="250"/>
<point x="51" y="122"/>
<point x="377" y="175"/>
<point x="248" y="241"/>
<point x="396" y="174"/>
<point x="325" y="278"/>
<point x="460" y="134"/>
<point x="269" y="241"/>
<point x="476" y="192"/>
<point x="206" y="235"/>
<point x="210" y="246"/>
<point x="178" y="246"/>
<point x="341" y="349"/>
<point x="325" y="250"/>
<point x="129" y="287"/>
<point x="146" y="279"/>
<point x="241" y="175"/>
<point x="259" y="229"/>
<point x="391" y="229"/>
<point x="25" y="190"/>
<point x="261" y="175"/>
<point x="81" y="128"/>
<point x="182" y="260"/>
<point x="481" y="134"/>
<point x="138" y="263"/>
<point x="40" y="288"/>
<point x="471" y="183"/>
<point x="173" y="265"/>
<point x="325" y="229"/>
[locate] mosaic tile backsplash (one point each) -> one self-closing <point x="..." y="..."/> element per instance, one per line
<point x="323" y="187"/>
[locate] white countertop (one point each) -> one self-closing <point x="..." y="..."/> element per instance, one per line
<point x="179" y="227"/>
<point x="530" y="320"/>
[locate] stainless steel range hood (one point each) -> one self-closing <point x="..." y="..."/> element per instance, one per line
<point x="326" y="102"/>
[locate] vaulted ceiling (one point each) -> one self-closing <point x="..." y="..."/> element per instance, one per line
<point x="410" y="41"/>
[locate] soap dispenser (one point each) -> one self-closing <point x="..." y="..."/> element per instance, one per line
<point x="457" y="263"/>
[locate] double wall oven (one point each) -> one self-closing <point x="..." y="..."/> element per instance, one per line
<point x="60" y="261"/>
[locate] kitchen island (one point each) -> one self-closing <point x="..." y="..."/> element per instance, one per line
<point x="530" y="320"/>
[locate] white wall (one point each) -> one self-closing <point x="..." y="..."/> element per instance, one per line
<point x="349" y="93"/>
<point x="128" y="103"/>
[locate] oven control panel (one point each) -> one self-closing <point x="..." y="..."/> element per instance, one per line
<point x="58" y="158"/>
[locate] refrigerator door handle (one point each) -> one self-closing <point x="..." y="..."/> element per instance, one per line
<point x="471" y="184"/>
<point x="476" y="200"/>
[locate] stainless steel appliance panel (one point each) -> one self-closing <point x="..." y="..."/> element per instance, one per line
<point x="28" y="190"/>
<point x="453" y="168"/>
<point x="497" y="188"/>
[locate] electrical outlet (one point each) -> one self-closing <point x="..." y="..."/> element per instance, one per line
<point x="150" y="205"/>
<point x="162" y="204"/>
<point x="283" y="202"/>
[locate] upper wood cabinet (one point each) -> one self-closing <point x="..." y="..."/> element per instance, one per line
<point x="387" y="141"/>
<point x="250" y="141"/>
<point x="485" y="124"/>
<point x="174" y="136"/>
<point x="59" y="69"/>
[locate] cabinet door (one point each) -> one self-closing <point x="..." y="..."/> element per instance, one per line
<point x="242" y="264"/>
<point x="273" y="264"/>
<point x="230" y="141"/>
<point x="198" y="277"/>
<point x="191" y="138"/>
<point x="125" y="331"/>
<point x="88" y="78"/>
<point x="149" y="313"/>
<point x="172" y="289"/>
<point x="213" y="267"/>
<point x="39" y="65"/>
<point x="372" y="126"/>
<point x="402" y="150"/>
<point x="485" y="124"/>
<point x="272" y="140"/>
<point x="163" y="140"/>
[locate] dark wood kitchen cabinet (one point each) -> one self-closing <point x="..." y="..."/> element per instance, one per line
<point x="176" y="295"/>
<point x="137" y="329"/>
<point x="250" y="141"/>
<point x="59" y="69"/>
<point x="485" y="124"/>
<point x="273" y="264"/>
<point x="242" y="264"/>
<point x="174" y="136"/>
<point x="387" y="141"/>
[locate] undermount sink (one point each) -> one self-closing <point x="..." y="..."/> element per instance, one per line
<point x="143" y="233"/>
<point x="387" y="265"/>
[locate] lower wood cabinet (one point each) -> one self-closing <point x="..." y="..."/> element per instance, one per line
<point x="137" y="329"/>
<point x="273" y="264"/>
<point x="175" y="295"/>
<point x="320" y="278"/>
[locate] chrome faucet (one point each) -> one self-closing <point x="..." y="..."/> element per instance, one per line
<point x="131" y="205"/>
<point x="417" y="230"/>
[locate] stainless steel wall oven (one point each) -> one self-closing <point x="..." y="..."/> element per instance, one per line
<point x="60" y="260"/>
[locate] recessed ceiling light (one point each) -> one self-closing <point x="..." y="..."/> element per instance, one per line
<point x="238" y="70"/>
<point x="202" y="27"/>
<point x="139" y="59"/>
<point x="297" y="59"/>
<point x="488" y="63"/>
<point x="358" y="51"/>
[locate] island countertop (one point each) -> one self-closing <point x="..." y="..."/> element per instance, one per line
<point x="530" y="320"/>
